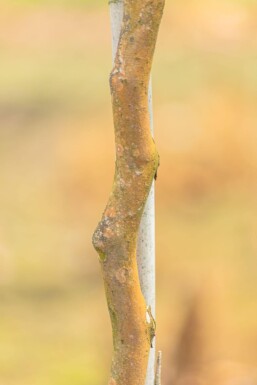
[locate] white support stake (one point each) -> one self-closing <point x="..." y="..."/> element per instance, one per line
<point x="146" y="255"/>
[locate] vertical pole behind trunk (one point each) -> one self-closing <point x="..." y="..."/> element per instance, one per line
<point x="146" y="254"/>
<point x="146" y="239"/>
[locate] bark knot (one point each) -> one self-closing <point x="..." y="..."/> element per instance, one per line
<point x="151" y="324"/>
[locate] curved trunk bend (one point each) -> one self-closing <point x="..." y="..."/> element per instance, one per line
<point x="115" y="237"/>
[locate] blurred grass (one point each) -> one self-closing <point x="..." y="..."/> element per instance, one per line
<point x="56" y="167"/>
<point x="62" y="3"/>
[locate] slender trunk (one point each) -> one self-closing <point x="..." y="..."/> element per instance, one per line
<point x="115" y="238"/>
<point x="146" y="237"/>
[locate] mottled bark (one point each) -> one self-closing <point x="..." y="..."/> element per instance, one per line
<point x="115" y="238"/>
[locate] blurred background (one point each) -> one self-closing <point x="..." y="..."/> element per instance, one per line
<point x="56" y="169"/>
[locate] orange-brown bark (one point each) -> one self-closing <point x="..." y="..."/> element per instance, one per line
<point x="137" y="160"/>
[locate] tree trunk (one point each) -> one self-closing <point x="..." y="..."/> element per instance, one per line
<point x="146" y="236"/>
<point x="115" y="238"/>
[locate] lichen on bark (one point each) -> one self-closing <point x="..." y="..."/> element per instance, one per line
<point x="115" y="237"/>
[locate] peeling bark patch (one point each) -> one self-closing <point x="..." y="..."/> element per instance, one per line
<point x="108" y="233"/>
<point x="112" y="382"/>
<point x="110" y="212"/>
<point x="121" y="275"/>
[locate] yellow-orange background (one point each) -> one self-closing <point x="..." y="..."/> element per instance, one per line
<point x="56" y="166"/>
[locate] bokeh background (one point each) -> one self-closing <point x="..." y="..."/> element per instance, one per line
<point x="56" y="167"/>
